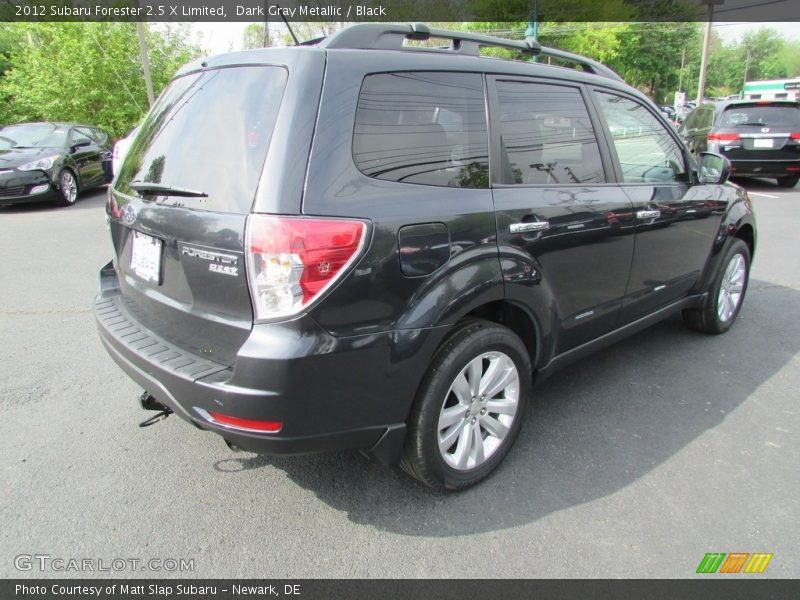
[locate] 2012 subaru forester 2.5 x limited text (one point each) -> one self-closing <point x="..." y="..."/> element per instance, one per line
<point x="363" y="243"/>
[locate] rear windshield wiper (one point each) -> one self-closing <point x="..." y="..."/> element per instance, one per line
<point x="750" y="125"/>
<point x="147" y="187"/>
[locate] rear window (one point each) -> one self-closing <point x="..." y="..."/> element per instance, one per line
<point x="208" y="132"/>
<point x="423" y="128"/>
<point x="754" y="115"/>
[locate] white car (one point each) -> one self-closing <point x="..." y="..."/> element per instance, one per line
<point x="121" y="149"/>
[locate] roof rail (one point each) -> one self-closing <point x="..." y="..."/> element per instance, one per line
<point x="388" y="36"/>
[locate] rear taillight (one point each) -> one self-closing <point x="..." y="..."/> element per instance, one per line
<point x="291" y="261"/>
<point x="112" y="208"/>
<point x="795" y="135"/>
<point x="723" y="137"/>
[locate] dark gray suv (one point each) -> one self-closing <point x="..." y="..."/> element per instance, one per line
<point x="364" y="243"/>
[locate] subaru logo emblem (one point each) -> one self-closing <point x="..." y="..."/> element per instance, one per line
<point x="129" y="214"/>
<point x="765" y="130"/>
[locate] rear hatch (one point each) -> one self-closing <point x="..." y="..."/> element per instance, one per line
<point x="759" y="130"/>
<point x="180" y="203"/>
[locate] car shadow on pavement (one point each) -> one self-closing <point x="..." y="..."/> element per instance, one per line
<point x="591" y="430"/>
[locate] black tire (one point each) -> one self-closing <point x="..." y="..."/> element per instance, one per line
<point x="422" y="457"/>
<point x="789" y="181"/>
<point x="709" y="319"/>
<point x="67" y="188"/>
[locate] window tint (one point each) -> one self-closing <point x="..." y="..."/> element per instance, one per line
<point x="424" y="128"/>
<point x="787" y="116"/>
<point x="100" y="136"/>
<point x="80" y="134"/>
<point x="707" y="118"/>
<point x="209" y="132"/>
<point x="646" y="151"/>
<point x="690" y="122"/>
<point x="546" y="135"/>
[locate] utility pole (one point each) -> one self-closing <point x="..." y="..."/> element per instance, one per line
<point x="746" y="69"/>
<point x="532" y="32"/>
<point x="266" y="26"/>
<point x="701" y="84"/>
<point x="683" y="63"/>
<point x="266" y="34"/>
<point x="148" y="82"/>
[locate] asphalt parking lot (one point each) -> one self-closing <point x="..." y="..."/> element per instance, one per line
<point x="632" y="463"/>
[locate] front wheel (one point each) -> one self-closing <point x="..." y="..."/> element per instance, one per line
<point x="726" y="293"/>
<point x="469" y="408"/>
<point x="789" y="181"/>
<point x="68" y="188"/>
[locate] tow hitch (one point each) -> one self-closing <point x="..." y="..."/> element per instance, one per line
<point x="147" y="402"/>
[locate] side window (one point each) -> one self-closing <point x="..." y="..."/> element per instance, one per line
<point x="423" y="128"/>
<point x="79" y="134"/>
<point x="546" y="135"/>
<point x="708" y="117"/>
<point x="646" y="151"/>
<point x="99" y="136"/>
<point x="691" y="120"/>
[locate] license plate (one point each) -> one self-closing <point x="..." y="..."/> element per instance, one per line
<point x="762" y="143"/>
<point x="146" y="256"/>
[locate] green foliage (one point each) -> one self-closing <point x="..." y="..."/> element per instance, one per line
<point x="762" y="54"/>
<point x="86" y="72"/>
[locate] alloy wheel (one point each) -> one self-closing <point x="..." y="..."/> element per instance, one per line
<point x="69" y="187"/>
<point x="731" y="288"/>
<point x="478" y="410"/>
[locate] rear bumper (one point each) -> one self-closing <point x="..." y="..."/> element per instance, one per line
<point x="329" y="393"/>
<point x="765" y="168"/>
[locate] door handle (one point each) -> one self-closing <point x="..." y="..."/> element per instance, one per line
<point x="648" y="214"/>
<point x="528" y="227"/>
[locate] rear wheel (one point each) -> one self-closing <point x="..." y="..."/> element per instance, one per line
<point x="469" y="408"/>
<point x="68" y="188"/>
<point x="726" y="294"/>
<point x="789" y="181"/>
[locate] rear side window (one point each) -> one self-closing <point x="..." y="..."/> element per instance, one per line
<point x="754" y="115"/>
<point x="424" y="128"/>
<point x="546" y="135"/>
<point x="209" y="132"/>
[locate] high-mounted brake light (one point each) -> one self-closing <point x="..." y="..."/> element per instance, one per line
<point x="291" y="261"/>
<point x="723" y="137"/>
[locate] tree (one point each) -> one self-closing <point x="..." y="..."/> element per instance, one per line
<point x="254" y="36"/>
<point x="87" y="72"/>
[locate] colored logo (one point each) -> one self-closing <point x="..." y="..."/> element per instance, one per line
<point x="734" y="562"/>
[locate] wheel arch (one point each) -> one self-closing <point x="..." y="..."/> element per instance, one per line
<point x="515" y="318"/>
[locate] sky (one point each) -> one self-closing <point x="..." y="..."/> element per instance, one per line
<point x="225" y="37"/>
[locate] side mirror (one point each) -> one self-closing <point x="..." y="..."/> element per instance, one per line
<point x="713" y="168"/>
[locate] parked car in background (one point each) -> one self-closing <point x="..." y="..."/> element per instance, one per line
<point x="761" y="138"/>
<point x="121" y="149"/>
<point x="351" y="244"/>
<point x="52" y="161"/>
<point x="670" y="114"/>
